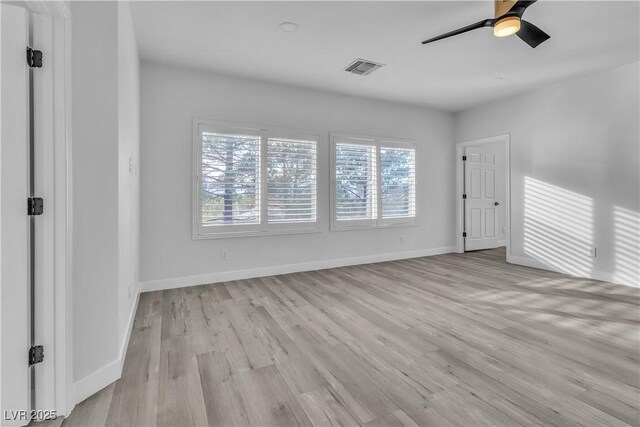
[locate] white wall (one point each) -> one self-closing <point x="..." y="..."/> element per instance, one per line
<point x="574" y="172"/>
<point x="172" y="97"/>
<point x="105" y="129"/>
<point x="95" y="185"/>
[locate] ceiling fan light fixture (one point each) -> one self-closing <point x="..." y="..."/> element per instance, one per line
<point x="506" y="26"/>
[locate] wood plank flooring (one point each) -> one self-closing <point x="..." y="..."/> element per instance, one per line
<point x="450" y="340"/>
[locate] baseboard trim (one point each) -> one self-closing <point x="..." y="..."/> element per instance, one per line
<point x="96" y="381"/>
<point x="530" y="262"/>
<point x="595" y="275"/>
<point x="109" y="373"/>
<point x="201" y="279"/>
<point x="124" y="345"/>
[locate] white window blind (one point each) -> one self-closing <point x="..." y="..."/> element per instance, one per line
<point x="398" y="182"/>
<point x="251" y="180"/>
<point x="355" y="182"/>
<point x="374" y="182"/>
<point x="291" y="181"/>
<point x="230" y="181"/>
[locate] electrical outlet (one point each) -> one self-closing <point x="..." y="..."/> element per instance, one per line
<point x="223" y="255"/>
<point x="593" y="252"/>
<point x="130" y="164"/>
<point x="504" y="229"/>
<point x="402" y="238"/>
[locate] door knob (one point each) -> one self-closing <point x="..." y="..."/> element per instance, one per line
<point x="496" y="204"/>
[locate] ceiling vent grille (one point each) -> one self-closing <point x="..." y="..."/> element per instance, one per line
<point x="362" y="67"/>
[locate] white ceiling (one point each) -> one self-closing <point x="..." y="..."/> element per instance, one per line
<point x="243" y="39"/>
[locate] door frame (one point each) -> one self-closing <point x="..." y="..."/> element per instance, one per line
<point x="54" y="389"/>
<point x="460" y="146"/>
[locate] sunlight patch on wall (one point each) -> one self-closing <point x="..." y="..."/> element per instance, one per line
<point x="626" y="246"/>
<point x="558" y="227"/>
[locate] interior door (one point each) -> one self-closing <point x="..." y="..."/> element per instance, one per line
<point x="480" y="202"/>
<point x="15" y="312"/>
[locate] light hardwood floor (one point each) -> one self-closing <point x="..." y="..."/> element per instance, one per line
<point x="449" y="340"/>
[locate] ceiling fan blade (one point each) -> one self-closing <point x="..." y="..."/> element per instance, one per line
<point x="531" y="35"/>
<point x="520" y="7"/>
<point x="481" y="24"/>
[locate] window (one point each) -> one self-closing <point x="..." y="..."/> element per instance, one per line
<point x="252" y="181"/>
<point x="397" y="177"/>
<point x="374" y="182"/>
<point x="291" y="177"/>
<point x="356" y="194"/>
<point x="230" y="179"/>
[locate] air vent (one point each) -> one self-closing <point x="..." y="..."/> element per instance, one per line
<point x="362" y="67"/>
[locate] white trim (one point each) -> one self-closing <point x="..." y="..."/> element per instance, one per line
<point x="124" y="345"/>
<point x="528" y="262"/>
<point x="595" y="275"/>
<point x="57" y="111"/>
<point x="378" y="143"/>
<point x="109" y="373"/>
<point x="201" y="279"/>
<point x="64" y="208"/>
<point x="44" y="236"/>
<point x="96" y="381"/>
<point x="64" y="221"/>
<point x="506" y="138"/>
<point x="254" y="233"/>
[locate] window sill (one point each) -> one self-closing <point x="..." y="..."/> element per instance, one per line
<point x="380" y="226"/>
<point x="237" y="234"/>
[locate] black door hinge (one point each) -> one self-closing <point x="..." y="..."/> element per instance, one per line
<point x="35" y="206"/>
<point x="464" y="158"/>
<point x="464" y="196"/>
<point x="464" y="234"/>
<point x="36" y="354"/>
<point x="34" y="58"/>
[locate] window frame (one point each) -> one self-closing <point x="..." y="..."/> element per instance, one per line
<point x="378" y="222"/>
<point x="200" y="231"/>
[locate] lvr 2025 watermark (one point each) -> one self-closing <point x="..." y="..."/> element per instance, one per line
<point x="24" y="415"/>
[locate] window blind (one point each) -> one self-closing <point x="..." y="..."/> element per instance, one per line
<point x="291" y="181"/>
<point x="355" y="175"/>
<point x="398" y="182"/>
<point x="230" y="179"/>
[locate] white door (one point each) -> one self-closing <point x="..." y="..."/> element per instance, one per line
<point x="15" y="393"/>
<point x="480" y="200"/>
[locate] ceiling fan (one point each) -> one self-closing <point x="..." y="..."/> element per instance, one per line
<point x="508" y="21"/>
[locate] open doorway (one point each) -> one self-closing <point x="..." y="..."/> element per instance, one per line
<point x="482" y="194"/>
